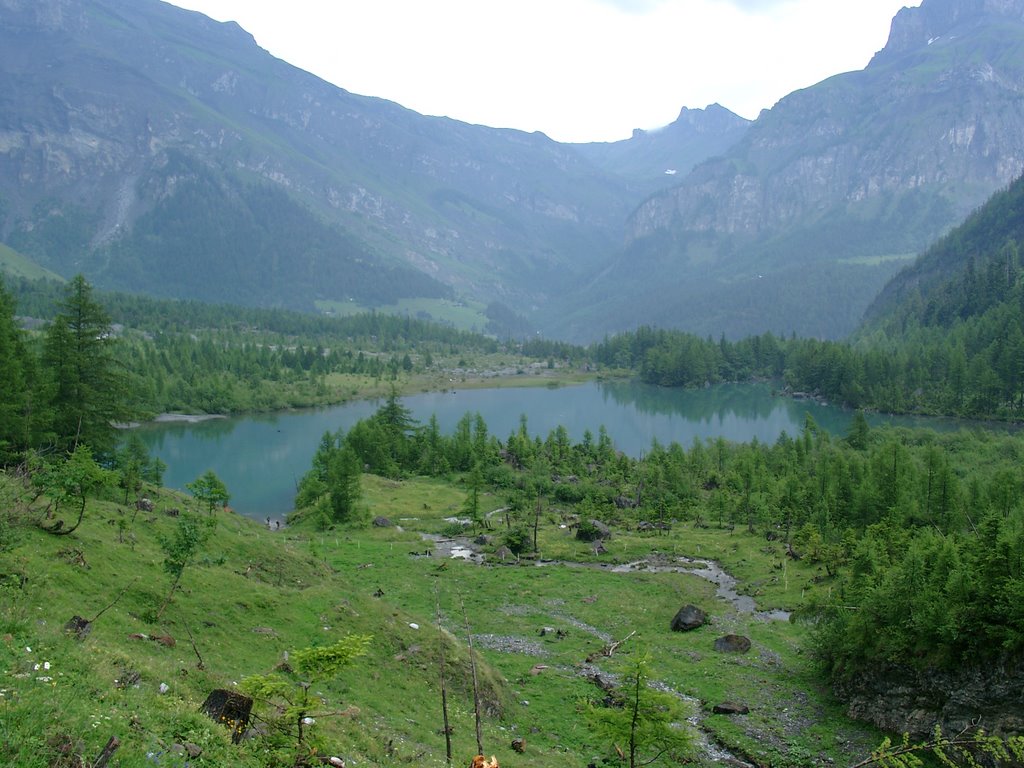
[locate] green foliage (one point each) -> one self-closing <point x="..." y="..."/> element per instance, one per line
<point x="642" y="724"/>
<point x="17" y="380"/>
<point x="518" y="539"/>
<point x="181" y="548"/>
<point x="971" y="748"/>
<point x="134" y="466"/>
<point x="88" y="388"/>
<point x="209" y="490"/>
<point x="70" y="480"/>
<point x="343" y="483"/>
<point x="290" y="707"/>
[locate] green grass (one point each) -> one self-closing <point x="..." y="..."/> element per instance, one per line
<point x="17" y="265"/>
<point x="254" y="595"/>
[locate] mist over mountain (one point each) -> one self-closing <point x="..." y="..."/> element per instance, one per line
<point x="159" y="151"/>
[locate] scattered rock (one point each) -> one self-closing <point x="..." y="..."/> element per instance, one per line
<point x="538" y="668"/>
<point x="519" y="745"/>
<point x="730" y="708"/>
<point x="144" y="505"/>
<point x="79" y="627"/>
<point x="504" y="553"/>
<point x="688" y="618"/>
<point x="381" y="522"/>
<point x="265" y="631"/>
<point x="165" y="640"/>
<point x="164" y="688"/>
<point x="732" y="644"/>
<point x="127" y="678"/>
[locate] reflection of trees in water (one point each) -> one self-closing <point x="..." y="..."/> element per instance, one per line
<point x="154" y="435"/>
<point x="747" y="401"/>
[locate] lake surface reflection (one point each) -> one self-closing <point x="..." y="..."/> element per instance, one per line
<point x="261" y="458"/>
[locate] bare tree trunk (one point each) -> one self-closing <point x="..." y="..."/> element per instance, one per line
<point x="107" y="753"/>
<point x="476" y="686"/>
<point x="444" y="687"/>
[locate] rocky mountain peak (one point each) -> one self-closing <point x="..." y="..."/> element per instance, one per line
<point x="914" y="28"/>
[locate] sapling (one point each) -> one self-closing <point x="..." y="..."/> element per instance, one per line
<point x="289" y="696"/>
<point x="190" y="534"/>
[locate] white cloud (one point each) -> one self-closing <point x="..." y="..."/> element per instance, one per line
<point x="579" y="70"/>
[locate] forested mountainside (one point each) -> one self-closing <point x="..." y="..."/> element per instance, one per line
<point x="836" y="183"/>
<point x="160" y="151"/>
<point x="143" y="108"/>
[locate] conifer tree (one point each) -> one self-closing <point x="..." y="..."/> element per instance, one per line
<point x="15" y="371"/>
<point x="88" y="390"/>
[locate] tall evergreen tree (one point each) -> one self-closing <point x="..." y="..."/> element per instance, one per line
<point x="15" y="395"/>
<point x="344" y="485"/>
<point x="88" y="389"/>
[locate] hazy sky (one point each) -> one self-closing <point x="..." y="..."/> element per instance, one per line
<point x="578" y="70"/>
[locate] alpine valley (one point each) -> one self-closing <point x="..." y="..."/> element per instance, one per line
<point x="157" y="151"/>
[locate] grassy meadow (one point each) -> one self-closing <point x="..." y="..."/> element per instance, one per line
<point x="251" y="597"/>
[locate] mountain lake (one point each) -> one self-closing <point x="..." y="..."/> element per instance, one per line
<point x="261" y="457"/>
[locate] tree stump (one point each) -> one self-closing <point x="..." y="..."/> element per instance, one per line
<point x="230" y="708"/>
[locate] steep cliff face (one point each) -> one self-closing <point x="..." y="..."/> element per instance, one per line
<point x="860" y="168"/>
<point x="902" y="700"/>
<point x="939" y="105"/>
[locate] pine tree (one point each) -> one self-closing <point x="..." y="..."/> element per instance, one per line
<point x="344" y="485"/>
<point x="88" y="390"/>
<point x="15" y="396"/>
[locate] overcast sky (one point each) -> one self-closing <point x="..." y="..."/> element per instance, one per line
<point x="578" y="70"/>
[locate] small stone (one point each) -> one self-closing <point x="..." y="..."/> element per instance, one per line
<point x="164" y="688"/>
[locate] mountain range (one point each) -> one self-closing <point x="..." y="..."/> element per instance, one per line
<point x="158" y="151"/>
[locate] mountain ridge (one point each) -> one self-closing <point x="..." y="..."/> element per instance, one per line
<point x="791" y="223"/>
<point x="851" y="172"/>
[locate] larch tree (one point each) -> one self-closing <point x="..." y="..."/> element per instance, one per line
<point x="87" y="388"/>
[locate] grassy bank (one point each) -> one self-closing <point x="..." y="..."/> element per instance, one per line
<point x="251" y="596"/>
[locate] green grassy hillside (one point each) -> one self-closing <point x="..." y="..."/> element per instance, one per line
<point x="252" y="597"/>
<point x="17" y="265"/>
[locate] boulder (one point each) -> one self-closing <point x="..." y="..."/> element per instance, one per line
<point x="381" y="522"/>
<point x="732" y="644"/>
<point x="688" y="618"/>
